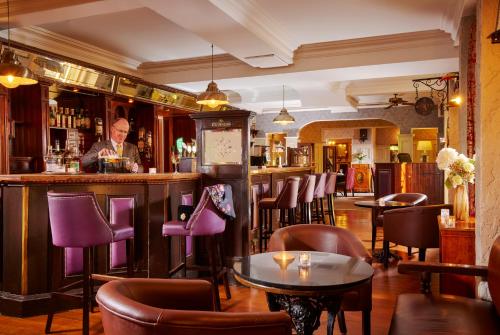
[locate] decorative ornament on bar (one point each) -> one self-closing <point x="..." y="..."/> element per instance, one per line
<point x="459" y="171"/>
<point x="12" y="72"/>
<point x="495" y="36"/>
<point x="212" y="97"/>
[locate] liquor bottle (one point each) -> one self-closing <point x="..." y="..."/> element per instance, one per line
<point x="72" y="118"/>
<point x="58" y="117"/>
<point x="87" y="119"/>
<point x="52" y="117"/>
<point x="141" y="139"/>
<point x="78" y="119"/>
<point x="98" y="129"/>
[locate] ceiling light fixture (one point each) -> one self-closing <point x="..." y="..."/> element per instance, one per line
<point x="212" y="97"/>
<point x="283" y="117"/>
<point x="495" y="36"/>
<point x="12" y="73"/>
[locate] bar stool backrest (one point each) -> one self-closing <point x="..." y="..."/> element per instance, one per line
<point x="349" y="181"/>
<point x="288" y="196"/>
<point x="331" y="183"/>
<point x="319" y="190"/>
<point x="306" y="191"/>
<point x="206" y="218"/>
<point x="76" y="220"/>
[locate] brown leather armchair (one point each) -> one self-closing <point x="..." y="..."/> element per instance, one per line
<point x="448" y="314"/>
<point x="413" y="227"/>
<point x="318" y="237"/>
<point x="416" y="199"/>
<point x="177" y="307"/>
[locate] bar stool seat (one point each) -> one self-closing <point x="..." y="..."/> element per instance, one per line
<point x="175" y="228"/>
<point x="122" y="232"/>
<point x="306" y="196"/>
<point x="268" y="203"/>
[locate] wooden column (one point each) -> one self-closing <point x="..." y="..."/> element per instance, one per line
<point x="4" y="130"/>
<point x="234" y="174"/>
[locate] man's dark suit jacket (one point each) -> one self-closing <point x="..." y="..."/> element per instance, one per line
<point x="129" y="150"/>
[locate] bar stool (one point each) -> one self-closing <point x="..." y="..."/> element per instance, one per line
<point x="255" y="191"/>
<point x="306" y="196"/>
<point x="76" y="221"/>
<point x="206" y="221"/>
<point x="287" y="199"/>
<point x="330" y="186"/>
<point x="349" y="181"/>
<point x="319" y="194"/>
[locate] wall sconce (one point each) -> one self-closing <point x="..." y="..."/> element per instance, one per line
<point x="330" y="142"/>
<point x="446" y="88"/>
<point x="495" y="36"/>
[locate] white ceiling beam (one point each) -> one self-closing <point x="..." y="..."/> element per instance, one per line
<point x="70" y="10"/>
<point x="400" y="48"/>
<point x="241" y="29"/>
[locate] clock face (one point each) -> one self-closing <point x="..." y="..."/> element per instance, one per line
<point x="425" y="106"/>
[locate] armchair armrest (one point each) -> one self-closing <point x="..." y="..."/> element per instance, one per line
<point x="426" y="269"/>
<point x="459" y="269"/>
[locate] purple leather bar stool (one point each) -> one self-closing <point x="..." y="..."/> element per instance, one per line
<point x="306" y="196"/>
<point x="206" y="221"/>
<point x="330" y="186"/>
<point x="76" y="221"/>
<point x="349" y="181"/>
<point x="286" y="199"/>
<point x="319" y="195"/>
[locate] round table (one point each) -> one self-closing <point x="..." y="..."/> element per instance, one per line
<point x="378" y="207"/>
<point x="303" y="292"/>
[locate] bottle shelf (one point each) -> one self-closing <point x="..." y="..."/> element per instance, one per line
<point x="79" y="129"/>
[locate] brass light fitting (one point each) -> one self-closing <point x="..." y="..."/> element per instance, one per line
<point x="12" y="73"/>
<point x="212" y="97"/>
<point x="283" y="118"/>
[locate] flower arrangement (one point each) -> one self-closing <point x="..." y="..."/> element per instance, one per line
<point x="359" y="156"/>
<point x="459" y="167"/>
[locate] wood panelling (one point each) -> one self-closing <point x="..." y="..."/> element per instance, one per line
<point x="4" y="130"/>
<point x="423" y="178"/>
<point x="32" y="266"/>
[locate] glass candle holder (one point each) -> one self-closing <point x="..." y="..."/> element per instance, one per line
<point x="305" y="259"/>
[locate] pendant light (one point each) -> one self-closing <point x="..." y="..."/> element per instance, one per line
<point x="283" y="117"/>
<point x="212" y="97"/>
<point x="12" y="73"/>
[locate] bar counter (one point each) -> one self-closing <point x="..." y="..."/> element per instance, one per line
<point x="291" y="170"/>
<point x="32" y="267"/>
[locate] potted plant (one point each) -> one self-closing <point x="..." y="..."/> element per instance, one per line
<point x="359" y="156"/>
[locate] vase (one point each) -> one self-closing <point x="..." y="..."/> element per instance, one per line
<point x="461" y="203"/>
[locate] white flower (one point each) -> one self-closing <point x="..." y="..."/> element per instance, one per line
<point x="446" y="157"/>
<point x="468" y="167"/>
<point x="456" y="180"/>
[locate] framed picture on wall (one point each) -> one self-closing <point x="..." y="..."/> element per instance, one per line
<point x="222" y="147"/>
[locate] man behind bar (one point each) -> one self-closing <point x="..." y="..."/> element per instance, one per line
<point x="115" y="146"/>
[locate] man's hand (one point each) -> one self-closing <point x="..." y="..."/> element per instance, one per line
<point x="106" y="152"/>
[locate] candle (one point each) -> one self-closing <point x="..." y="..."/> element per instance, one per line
<point x="304" y="272"/>
<point x="305" y="259"/>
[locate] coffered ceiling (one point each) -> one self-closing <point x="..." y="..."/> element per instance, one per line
<point x="332" y="54"/>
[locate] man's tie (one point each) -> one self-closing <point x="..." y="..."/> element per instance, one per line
<point x="119" y="149"/>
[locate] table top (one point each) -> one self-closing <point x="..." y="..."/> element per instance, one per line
<point x="279" y="272"/>
<point x="382" y="204"/>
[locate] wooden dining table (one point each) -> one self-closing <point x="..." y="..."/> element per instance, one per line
<point x="303" y="292"/>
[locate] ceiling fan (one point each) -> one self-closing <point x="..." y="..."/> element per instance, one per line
<point x="396" y="101"/>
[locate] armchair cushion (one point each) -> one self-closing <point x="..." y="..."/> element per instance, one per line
<point x="445" y="314"/>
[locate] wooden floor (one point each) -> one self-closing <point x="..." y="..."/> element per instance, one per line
<point x="387" y="284"/>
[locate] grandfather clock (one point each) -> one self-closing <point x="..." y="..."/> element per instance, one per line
<point x="223" y="141"/>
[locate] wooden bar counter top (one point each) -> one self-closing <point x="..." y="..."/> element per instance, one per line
<point x="61" y="178"/>
<point x="31" y="266"/>
<point x="290" y="169"/>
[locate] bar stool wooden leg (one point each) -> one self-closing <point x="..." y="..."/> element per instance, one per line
<point x="308" y="210"/>
<point x="169" y="263"/>
<point x="184" y="256"/>
<point x="86" y="290"/>
<point x="213" y="269"/>
<point x="322" y="213"/>
<point x="225" y="278"/>
<point x="129" y="245"/>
